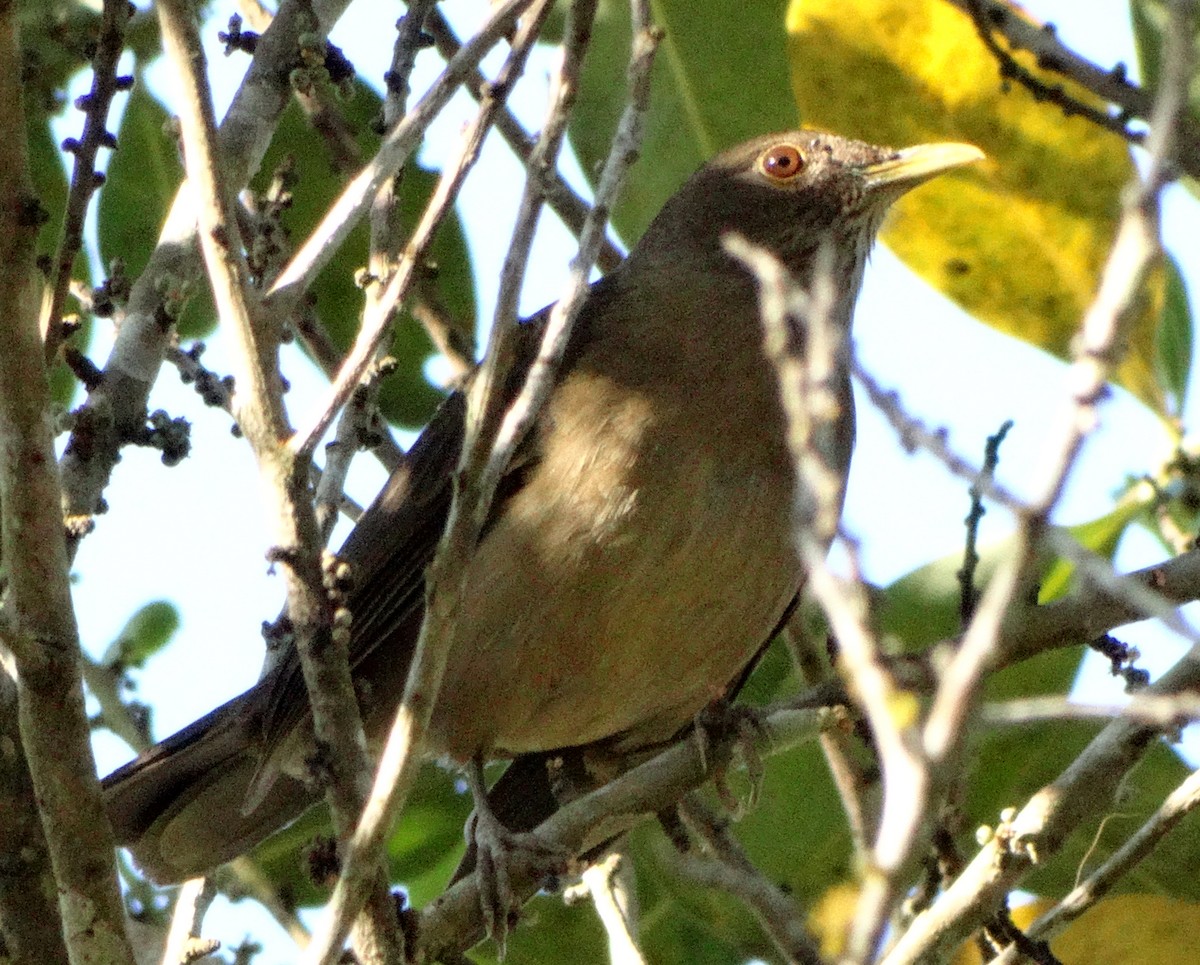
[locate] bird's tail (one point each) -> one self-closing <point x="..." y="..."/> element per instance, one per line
<point x="179" y="806"/>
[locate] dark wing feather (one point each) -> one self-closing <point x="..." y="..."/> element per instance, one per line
<point x="389" y="550"/>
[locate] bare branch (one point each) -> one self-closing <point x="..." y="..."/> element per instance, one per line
<point x="40" y="619"/>
<point x="563" y="200"/>
<point x="1178" y="805"/>
<point x="380" y="309"/>
<point x="1092" y="779"/>
<point x="726" y="867"/>
<point x="258" y="406"/>
<point x="610" y="884"/>
<point x="454" y="922"/>
<point x="480" y="466"/>
<point x="115" y="409"/>
<point x="393" y="152"/>
<point x="184" y="943"/>
<point x="1111" y="85"/>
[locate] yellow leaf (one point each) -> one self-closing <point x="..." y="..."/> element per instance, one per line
<point x="1018" y="241"/>
<point x="830" y="918"/>
<point x="1127" y="930"/>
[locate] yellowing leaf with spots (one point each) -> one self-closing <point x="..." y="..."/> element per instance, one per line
<point x="1129" y="930"/>
<point x="1018" y="240"/>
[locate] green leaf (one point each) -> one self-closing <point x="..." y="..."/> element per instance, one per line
<point x="140" y="183"/>
<point x="720" y="77"/>
<point x="1175" y="339"/>
<point x="407" y="397"/>
<point x="922" y="607"/>
<point x="1150" y="18"/>
<point x="422" y="853"/>
<point x="141" y="180"/>
<point x="146" y="632"/>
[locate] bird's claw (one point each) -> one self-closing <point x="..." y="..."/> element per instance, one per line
<point x="496" y="851"/>
<point x="741" y="728"/>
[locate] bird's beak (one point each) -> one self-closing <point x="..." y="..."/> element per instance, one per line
<point x="915" y="165"/>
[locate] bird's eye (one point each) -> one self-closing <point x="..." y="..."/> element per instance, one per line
<point x="782" y="162"/>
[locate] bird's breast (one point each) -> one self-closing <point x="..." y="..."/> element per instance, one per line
<point x="641" y="565"/>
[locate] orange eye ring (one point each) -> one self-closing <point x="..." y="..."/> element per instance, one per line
<point x="782" y="163"/>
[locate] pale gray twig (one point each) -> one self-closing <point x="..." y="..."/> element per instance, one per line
<point x="394" y="152"/>
<point x="258" y="407"/>
<point x="563" y="200"/>
<point x="395" y="149"/>
<point x="115" y="408"/>
<point x="184" y="944"/>
<point x="726" y="866"/>
<point x="446" y="574"/>
<point x="1089" y="783"/>
<point x="454" y="922"/>
<point x="1166" y="713"/>
<point x="1178" y="805"/>
<point x="806" y="388"/>
<point x="610" y="884"/>
<point x="564" y="84"/>
<point x="1139" y="597"/>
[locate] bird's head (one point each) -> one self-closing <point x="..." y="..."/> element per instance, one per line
<point x="793" y="192"/>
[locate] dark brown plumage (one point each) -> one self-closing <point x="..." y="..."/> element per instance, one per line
<point x="639" y="554"/>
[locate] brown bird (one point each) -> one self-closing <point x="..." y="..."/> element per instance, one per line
<point x="639" y="552"/>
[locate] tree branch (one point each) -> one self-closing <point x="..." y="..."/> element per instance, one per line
<point x="258" y="407"/>
<point x="40" y="618"/>
<point x="480" y="466"/>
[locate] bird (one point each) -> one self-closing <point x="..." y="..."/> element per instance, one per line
<point x="639" y="552"/>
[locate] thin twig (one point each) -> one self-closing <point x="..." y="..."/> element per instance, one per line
<point x="361" y="410"/>
<point x="610" y="884"/>
<point x="184" y="944"/>
<point x="985" y="15"/>
<point x="1043" y="823"/>
<point x="727" y="867"/>
<point x="95" y="105"/>
<point x="806" y="383"/>
<point x="563" y="200"/>
<point x="1138" y="596"/>
<point x="446" y="575"/>
<point x="380" y="311"/>
<point x="454" y="922"/>
<point x="564" y="86"/>
<point x="1166" y="713"/>
<point x="115" y="408"/>
<point x="1052" y="54"/>
<point x="395" y="149"/>
<point x="968" y="593"/>
<point x="1178" y="805"/>
<point x="258" y="407"/>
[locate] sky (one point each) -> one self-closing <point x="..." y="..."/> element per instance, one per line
<point x="951" y="370"/>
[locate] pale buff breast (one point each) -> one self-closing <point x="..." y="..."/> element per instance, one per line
<point x="602" y="603"/>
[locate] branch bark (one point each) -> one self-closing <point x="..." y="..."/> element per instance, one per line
<point x="43" y="633"/>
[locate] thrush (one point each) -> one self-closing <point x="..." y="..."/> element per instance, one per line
<point x="639" y="551"/>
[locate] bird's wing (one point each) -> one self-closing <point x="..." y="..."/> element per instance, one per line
<point x="388" y="552"/>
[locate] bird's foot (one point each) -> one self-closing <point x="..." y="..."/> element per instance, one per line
<point x="740" y="728"/>
<point x="498" y="850"/>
